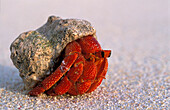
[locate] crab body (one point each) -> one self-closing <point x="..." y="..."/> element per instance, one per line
<point x="82" y="70"/>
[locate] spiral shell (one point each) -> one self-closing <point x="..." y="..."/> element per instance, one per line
<point x="34" y="53"/>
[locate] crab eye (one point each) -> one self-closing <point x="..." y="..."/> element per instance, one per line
<point x="103" y="53"/>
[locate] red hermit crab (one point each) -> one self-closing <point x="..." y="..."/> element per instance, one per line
<point x="82" y="65"/>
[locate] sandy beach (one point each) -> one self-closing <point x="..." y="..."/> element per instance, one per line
<point x="137" y="32"/>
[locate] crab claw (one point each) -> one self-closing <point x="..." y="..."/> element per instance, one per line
<point x="85" y="80"/>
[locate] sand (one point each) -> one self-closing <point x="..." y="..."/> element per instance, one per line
<point x="137" y="33"/>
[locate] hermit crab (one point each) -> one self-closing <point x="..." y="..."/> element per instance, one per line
<point x="62" y="56"/>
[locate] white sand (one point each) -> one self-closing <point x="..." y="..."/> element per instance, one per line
<point x="135" y="30"/>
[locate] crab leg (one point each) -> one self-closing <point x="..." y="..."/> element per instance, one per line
<point x="61" y="88"/>
<point x="102" y="66"/>
<point x="71" y="77"/>
<point x="55" y="76"/>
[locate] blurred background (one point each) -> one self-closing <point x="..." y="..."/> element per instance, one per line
<point x="137" y="32"/>
<point x="116" y="21"/>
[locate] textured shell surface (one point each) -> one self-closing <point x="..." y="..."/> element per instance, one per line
<point x="34" y="53"/>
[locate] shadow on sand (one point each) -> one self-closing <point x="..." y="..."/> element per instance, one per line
<point x="10" y="79"/>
